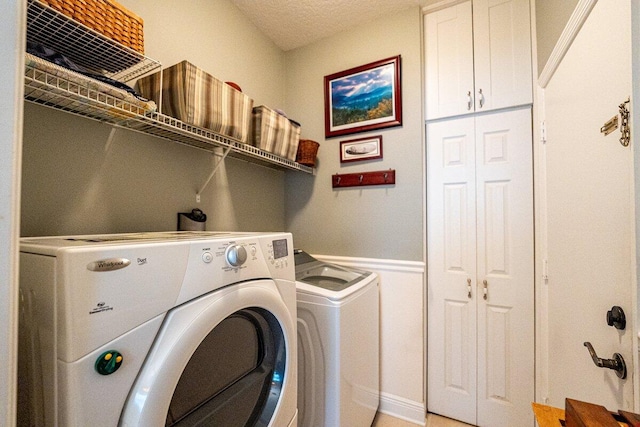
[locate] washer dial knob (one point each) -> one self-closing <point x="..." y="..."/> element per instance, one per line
<point x="236" y="255"/>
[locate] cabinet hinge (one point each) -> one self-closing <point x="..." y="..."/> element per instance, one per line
<point x="543" y="132"/>
<point x="545" y="270"/>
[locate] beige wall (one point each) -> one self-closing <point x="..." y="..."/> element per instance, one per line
<point x="74" y="181"/>
<point x="66" y="197"/>
<point x="376" y="222"/>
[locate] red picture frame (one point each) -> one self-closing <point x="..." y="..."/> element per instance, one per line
<point x="355" y="150"/>
<point x="363" y="98"/>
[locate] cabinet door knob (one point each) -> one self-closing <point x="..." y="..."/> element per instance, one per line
<point x="469" y="101"/>
<point x="481" y="98"/>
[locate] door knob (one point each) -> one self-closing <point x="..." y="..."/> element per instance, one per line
<point x="616" y="317"/>
<point x="617" y="363"/>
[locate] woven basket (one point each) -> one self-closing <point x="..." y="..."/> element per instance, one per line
<point x="307" y="151"/>
<point x="106" y="17"/>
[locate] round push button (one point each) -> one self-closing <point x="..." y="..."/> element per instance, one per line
<point x="207" y="257"/>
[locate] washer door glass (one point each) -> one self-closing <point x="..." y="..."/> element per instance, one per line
<point x="234" y="378"/>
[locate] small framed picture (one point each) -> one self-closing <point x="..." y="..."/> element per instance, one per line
<point x="355" y="150"/>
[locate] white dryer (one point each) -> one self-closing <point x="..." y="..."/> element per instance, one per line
<point x="152" y="329"/>
<point x="338" y="344"/>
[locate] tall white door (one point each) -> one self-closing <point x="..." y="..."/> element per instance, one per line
<point x="451" y="266"/>
<point x="505" y="276"/>
<point x="480" y="269"/>
<point x="590" y="214"/>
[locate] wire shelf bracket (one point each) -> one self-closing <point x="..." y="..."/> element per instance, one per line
<point x="213" y="172"/>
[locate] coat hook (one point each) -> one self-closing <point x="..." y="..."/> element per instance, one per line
<point x="360" y="179"/>
<point x="385" y="177"/>
<point x="338" y="179"/>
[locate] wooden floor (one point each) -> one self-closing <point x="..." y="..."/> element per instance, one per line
<point x="432" y="420"/>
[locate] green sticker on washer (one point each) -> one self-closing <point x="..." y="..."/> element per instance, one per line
<point x="108" y="362"/>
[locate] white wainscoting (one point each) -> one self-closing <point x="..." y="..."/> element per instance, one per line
<point x="402" y="334"/>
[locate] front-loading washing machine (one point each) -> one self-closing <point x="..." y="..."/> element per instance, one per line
<point x="151" y="329"/>
<point x="338" y="344"/>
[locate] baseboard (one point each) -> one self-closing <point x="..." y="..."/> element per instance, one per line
<point x="401" y="408"/>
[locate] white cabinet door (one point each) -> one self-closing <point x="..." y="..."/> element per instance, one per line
<point x="478" y="57"/>
<point x="505" y="260"/>
<point x="449" y="61"/>
<point x="480" y="269"/>
<point x="502" y="47"/>
<point x="451" y="249"/>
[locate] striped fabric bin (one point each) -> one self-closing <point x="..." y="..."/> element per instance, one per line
<point x="275" y="133"/>
<point x="195" y="97"/>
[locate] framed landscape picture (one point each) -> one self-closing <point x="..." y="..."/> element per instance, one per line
<point x="363" y="98"/>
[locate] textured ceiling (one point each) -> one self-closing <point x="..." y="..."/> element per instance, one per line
<point x="295" y="23"/>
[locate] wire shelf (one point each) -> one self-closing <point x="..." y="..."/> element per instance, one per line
<point x="80" y="95"/>
<point x="83" y="45"/>
<point x="77" y="95"/>
<point x="176" y="130"/>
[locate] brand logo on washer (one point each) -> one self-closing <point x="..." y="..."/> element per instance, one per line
<point x="108" y="264"/>
<point x="101" y="307"/>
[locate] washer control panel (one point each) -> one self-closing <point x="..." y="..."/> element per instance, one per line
<point x="215" y="263"/>
<point x="278" y="253"/>
<point x="241" y="254"/>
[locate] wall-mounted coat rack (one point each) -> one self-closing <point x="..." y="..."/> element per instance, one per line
<point x="387" y="177"/>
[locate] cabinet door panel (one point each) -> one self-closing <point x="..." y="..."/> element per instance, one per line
<point x="502" y="53"/>
<point x="504" y="183"/>
<point x="449" y="61"/>
<point x="451" y="263"/>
